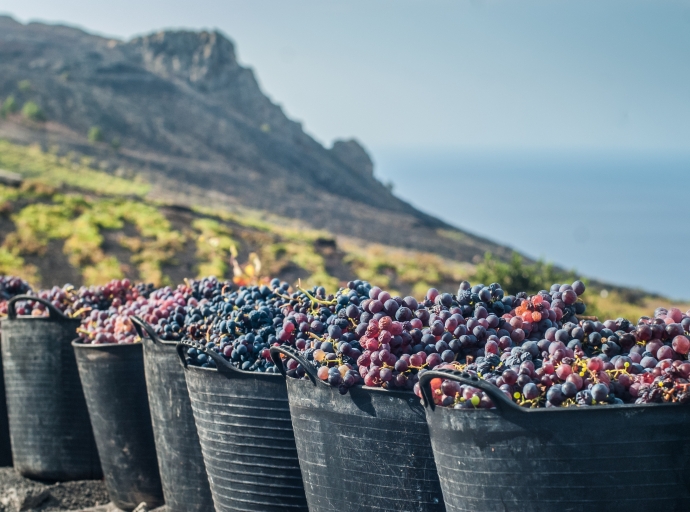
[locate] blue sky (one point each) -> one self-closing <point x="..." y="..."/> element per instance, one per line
<point x="444" y="74"/>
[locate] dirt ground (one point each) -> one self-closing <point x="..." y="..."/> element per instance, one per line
<point x="19" y="494"/>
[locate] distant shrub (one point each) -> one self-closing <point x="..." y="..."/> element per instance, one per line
<point x="115" y="143"/>
<point x="95" y="134"/>
<point x="24" y="86"/>
<point x="516" y="275"/>
<point x="32" y="111"/>
<point x="9" y="106"/>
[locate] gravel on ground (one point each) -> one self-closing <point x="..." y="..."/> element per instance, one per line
<point x="19" y="494"/>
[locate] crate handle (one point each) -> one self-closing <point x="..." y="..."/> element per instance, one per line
<point x="500" y="400"/>
<point x="140" y="326"/>
<point x="53" y="312"/>
<point x="292" y="353"/>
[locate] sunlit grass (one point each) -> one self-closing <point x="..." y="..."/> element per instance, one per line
<point x="14" y="265"/>
<point x="57" y="171"/>
<point x="215" y="248"/>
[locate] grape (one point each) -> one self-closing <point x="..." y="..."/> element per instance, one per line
<point x="509" y="377"/>
<point x="578" y="287"/>
<point x="530" y="391"/>
<point x="569" y="389"/>
<point x="599" y="392"/>
<point x="681" y="344"/>
<point x="555" y="395"/>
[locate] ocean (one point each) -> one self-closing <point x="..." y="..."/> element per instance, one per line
<point x="620" y="217"/>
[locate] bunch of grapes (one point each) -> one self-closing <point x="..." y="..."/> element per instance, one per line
<point x="62" y="298"/>
<point x="164" y="309"/>
<point x="241" y="325"/>
<point x="113" y="294"/>
<point x="105" y="311"/>
<point x="585" y="363"/>
<point x="333" y="346"/>
<point x="112" y="325"/>
<point x="662" y="349"/>
<point x="386" y="341"/>
<point x="79" y="303"/>
<point x="533" y="316"/>
<point x="11" y="286"/>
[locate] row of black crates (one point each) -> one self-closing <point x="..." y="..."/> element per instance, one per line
<point x="201" y="439"/>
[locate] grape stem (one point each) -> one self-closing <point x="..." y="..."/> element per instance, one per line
<point x="317" y="301"/>
<point x="80" y="311"/>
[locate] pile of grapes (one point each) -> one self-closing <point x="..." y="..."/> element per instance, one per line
<point x="241" y="325"/>
<point x="539" y="350"/>
<point x="164" y="309"/>
<point x="584" y="363"/>
<point x="385" y="341"/>
<point x="534" y="349"/>
<point x="79" y="303"/>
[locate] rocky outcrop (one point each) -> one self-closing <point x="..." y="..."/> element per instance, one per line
<point x="205" y="59"/>
<point x="351" y="153"/>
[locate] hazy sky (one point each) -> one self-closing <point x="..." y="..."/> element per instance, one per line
<point x="444" y="73"/>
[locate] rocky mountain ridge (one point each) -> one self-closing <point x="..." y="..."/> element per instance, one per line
<point x="182" y="113"/>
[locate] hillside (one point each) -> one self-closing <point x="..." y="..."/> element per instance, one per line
<point x="160" y="158"/>
<point x="177" y="109"/>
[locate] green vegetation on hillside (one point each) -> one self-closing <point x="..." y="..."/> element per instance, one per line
<point x="33" y="112"/>
<point x="396" y="268"/>
<point x="9" y="106"/>
<point x="516" y="275"/>
<point x="24" y="86"/>
<point x="79" y="221"/>
<point x="215" y="247"/>
<point x="68" y="170"/>
<point x="95" y="134"/>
